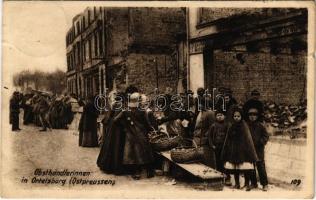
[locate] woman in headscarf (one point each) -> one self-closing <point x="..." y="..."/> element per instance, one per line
<point x="126" y="147"/>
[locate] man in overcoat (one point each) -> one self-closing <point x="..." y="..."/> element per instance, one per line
<point x="15" y="111"/>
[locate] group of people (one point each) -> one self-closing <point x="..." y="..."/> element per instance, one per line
<point x="232" y="140"/>
<point x="43" y="109"/>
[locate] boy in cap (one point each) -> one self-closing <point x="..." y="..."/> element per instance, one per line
<point x="254" y="101"/>
<point x="216" y="137"/>
<point x="260" y="138"/>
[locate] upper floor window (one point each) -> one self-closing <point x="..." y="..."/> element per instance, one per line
<point x="84" y="22"/>
<point x="89" y="15"/>
<point x="78" y="28"/>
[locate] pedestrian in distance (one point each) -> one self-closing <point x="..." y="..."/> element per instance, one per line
<point x="15" y="111"/>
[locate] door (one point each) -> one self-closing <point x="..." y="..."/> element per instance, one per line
<point x="209" y="69"/>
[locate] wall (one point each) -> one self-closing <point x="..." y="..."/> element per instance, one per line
<point x="280" y="78"/>
<point x="193" y="22"/>
<point x="139" y="39"/>
<point x="196" y="72"/>
<point x="156" y="26"/>
<point x="285" y="161"/>
<point x="116" y="32"/>
<point x="141" y="70"/>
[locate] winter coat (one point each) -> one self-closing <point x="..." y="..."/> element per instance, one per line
<point x="125" y="143"/>
<point x="203" y="122"/>
<point x="217" y="134"/>
<point x="88" y="126"/>
<point x="238" y="145"/>
<point x="260" y="137"/>
<point x="137" y="150"/>
<point x="14" y="109"/>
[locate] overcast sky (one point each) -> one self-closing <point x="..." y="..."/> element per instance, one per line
<point x="34" y="36"/>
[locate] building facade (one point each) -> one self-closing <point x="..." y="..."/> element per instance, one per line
<point x="187" y="48"/>
<point x="249" y="48"/>
<point x="117" y="47"/>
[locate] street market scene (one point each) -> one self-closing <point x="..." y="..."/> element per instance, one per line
<point x="167" y="98"/>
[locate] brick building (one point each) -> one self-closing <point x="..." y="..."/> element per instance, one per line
<point x="107" y="47"/>
<point x="239" y="48"/>
<point x="249" y="48"/>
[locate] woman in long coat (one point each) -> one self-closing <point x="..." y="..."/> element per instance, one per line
<point x="204" y="120"/>
<point x="126" y="147"/>
<point x="88" y="135"/>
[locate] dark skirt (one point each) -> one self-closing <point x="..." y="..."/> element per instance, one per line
<point x="137" y="150"/>
<point x="89" y="139"/>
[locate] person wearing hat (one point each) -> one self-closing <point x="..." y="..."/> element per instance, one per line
<point x="260" y="138"/>
<point x="15" y="111"/>
<point x="126" y="147"/>
<point x="216" y="137"/>
<point x="254" y="101"/>
<point x="227" y="100"/>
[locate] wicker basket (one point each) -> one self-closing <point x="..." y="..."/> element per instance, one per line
<point x="185" y="154"/>
<point x="164" y="142"/>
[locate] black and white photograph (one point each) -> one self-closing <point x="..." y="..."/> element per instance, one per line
<point x="157" y="100"/>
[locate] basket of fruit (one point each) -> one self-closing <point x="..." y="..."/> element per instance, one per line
<point x="185" y="154"/>
<point x="162" y="141"/>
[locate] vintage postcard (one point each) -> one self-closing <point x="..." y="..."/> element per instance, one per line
<point x="155" y="100"/>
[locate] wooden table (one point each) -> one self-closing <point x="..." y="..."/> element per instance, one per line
<point x="212" y="178"/>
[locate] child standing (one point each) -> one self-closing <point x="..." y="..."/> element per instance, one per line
<point x="260" y="138"/>
<point x="216" y="137"/>
<point x="239" y="154"/>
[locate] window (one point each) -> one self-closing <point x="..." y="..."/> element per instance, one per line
<point x="78" y="53"/>
<point x="68" y="63"/>
<point x="83" y="22"/>
<point x="100" y="43"/>
<point x="89" y="49"/>
<point x="84" y="51"/>
<point x="89" y="17"/>
<point x="96" y="45"/>
<point x="78" y="28"/>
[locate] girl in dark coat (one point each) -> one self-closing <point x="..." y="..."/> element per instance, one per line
<point x="88" y="136"/>
<point x="239" y="154"/>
